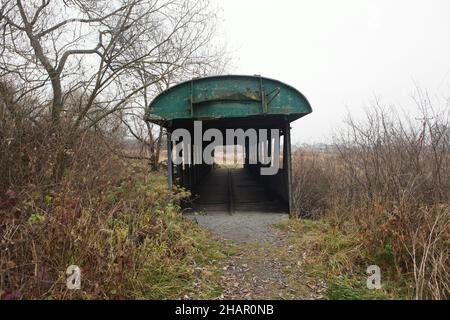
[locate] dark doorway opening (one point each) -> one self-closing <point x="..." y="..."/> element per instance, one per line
<point x="234" y="183"/>
<point x="235" y="190"/>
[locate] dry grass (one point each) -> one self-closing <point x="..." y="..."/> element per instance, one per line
<point x="127" y="235"/>
<point x="330" y="262"/>
<point x="388" y="184"/>
<point x="119" y="223"/>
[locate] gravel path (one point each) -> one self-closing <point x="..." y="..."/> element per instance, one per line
<point x="258" y="270"/>
<point x="244" y="227"/>
<point x="255" y="272"/>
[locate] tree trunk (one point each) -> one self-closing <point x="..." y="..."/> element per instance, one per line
<point x="57" y="103"/>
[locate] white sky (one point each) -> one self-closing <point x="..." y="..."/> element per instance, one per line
<point x="341" y="54"/>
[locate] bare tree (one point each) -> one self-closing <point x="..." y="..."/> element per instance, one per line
<point x="191" y="53"/>
<point x="88" y="60"/>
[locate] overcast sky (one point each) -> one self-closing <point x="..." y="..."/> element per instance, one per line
<point x="341" y="54"/>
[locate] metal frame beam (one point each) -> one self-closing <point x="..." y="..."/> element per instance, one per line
<point x="287" y="165"/>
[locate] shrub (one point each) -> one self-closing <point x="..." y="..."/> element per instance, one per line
<point x="388" y="179"/>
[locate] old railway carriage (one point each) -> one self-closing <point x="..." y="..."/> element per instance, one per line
<point x="232" y="102"/>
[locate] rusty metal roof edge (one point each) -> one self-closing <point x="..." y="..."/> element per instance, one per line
<point x="168" y="123"/>
<point x="228" y="76"/>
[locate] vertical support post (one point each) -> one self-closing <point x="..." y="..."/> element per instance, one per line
<point x="288" y="165"/>
<point x="246" y="153"/>
<point x="191" y="167"/>
<point x="258" y="153"/>
<point x="214" y="157"/>
<point x="169" y="160"/>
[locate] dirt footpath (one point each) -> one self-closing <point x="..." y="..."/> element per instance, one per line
<point x="257" y="271"/>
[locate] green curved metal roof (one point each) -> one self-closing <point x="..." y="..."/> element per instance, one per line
<point x="230" y="96"/>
